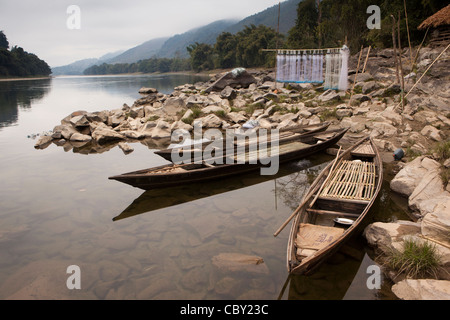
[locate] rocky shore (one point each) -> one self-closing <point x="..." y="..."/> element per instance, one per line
<point x="230" y="99"/>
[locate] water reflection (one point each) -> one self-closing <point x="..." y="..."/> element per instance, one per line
<point x="297" y="175"/>
<point x="20" y="94"/>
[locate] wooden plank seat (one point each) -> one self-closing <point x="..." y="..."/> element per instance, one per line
<point x="364" y="150"/>
<point x="334" y="213"/>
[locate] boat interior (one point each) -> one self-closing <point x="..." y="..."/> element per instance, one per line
<point x="342" y="198"/>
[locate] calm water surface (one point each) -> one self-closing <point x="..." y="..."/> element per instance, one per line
<point x="57" y="208"/>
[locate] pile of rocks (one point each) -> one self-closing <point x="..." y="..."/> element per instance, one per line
<point x="429" y="199"/>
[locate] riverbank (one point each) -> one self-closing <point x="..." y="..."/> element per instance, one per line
<point x="418" y="127"/>
<point x="25" y="78"/>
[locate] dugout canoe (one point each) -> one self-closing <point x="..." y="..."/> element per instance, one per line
<point x="176" y="174"/>
<point x="285" y="134"/>
<point x="335" y="204"/>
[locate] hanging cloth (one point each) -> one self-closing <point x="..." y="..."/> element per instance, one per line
<point x="343" y="77"/>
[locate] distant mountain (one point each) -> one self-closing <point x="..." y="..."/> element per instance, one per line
<point x="77" y="67"/>
<point x="176" y="45"/>
<point x="143" y="51"/>
<point x="269" y="18"/>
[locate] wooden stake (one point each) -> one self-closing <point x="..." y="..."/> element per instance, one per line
<point x="306" y="198"/>
<point x="407" y="30"/>
<point x="426" y="71"/>
<point x="400" y="60"/>
<point x="395" y="49"/>
<point x="418" y="50"/>
<point x="354" y="81"/>
<point x="367" y="57"/>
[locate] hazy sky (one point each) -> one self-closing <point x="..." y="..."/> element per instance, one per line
<point x="47" y="29"/>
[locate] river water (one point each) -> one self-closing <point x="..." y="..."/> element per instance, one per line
<point x="58" y="209"/>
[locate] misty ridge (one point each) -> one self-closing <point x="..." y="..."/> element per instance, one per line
<point x="175" y="46"/>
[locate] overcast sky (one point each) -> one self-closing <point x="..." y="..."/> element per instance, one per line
<point x="41" y="27"/>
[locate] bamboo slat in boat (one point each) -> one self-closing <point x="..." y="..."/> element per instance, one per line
<point x="351" y="180"/>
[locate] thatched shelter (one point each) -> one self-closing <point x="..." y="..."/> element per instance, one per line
<point x="439" y="25"/>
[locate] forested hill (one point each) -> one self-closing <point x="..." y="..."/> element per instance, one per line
<point x="19" y="63"/>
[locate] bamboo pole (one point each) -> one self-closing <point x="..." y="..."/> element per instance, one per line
<point x="426" y="71"/>
<point x="326" y="180"/>
<point x="418" y="50"/>
<point x="367" y="57"/>
<point x="395" y="49"/>
<point x="401" y="65"/>
<point x="276" y="46"/>
<point x="407" y="30"/>
<point x="354" y="80"/>
<point x="306" y="198"/>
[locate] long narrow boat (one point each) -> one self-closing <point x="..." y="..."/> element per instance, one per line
<point x="176" y="174"/>
<point x="285" y="134"/>
<point x="336" y="203"/>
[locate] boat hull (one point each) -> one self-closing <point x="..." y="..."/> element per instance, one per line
<point x="147" y="180"/>
<point x="309" y="213"/>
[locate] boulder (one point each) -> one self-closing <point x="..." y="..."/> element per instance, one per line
<point x="161" y="130"/>
<point x="43" y="142"/>
<point x="173" y="105"/>
<point x="210" y="121"/>
<point x="146" y="91"/>
<point x="238" y="262"/>
<point x="341" y="113"/>
<point x="422" y="289"/>
<point x="384" y="236"/>
<point x="104" y="135"/>
<point x="79" y="121"/>
<point x="126" y="148"/>
<point x="428" y="194"/>
<point x="238" y="77"/>
<point x="236" y="117"/>
<point x="78" y="137"/>
<point x="432" y="132"/>
<point x="383" y="129"/>
<point x="98" y="116"/>
<point x="329" y="95"/>
<point x="407" y="179"/>
<point x="228" y="93"/>
<point x="436" y="224"/>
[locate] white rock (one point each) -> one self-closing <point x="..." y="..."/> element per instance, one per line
<point x="422" y="289"/>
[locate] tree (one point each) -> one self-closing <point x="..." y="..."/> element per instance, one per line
<point x="201" y="56"/>
<point x="304" y="33"/>
<point x="4" y="44"/>
<point x="250" y="42"/>
<point x="225" y="48"/>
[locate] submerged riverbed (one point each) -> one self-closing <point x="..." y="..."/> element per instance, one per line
<point x="59" y="209"/>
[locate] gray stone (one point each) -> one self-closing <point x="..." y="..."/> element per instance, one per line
<point x="422" y="289"/>
<point x="237" y="262"/>
<point x="228" y="93"/>
<point x="80" y="137"/>
<point x="329" y="95"/>
<point x="104" y="135"/>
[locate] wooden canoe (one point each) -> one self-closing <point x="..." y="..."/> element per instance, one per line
<point x="285" y="134"/>
<point x="335" y="204"/>
<point x="173" y="174"/>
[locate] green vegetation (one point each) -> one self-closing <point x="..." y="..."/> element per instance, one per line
<point x="417" y="259"/>
<point x="143" y="66"/>
<point x="19" y="63"/>
<point x="328" y="24"/>
<point x="442" y="153"/>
